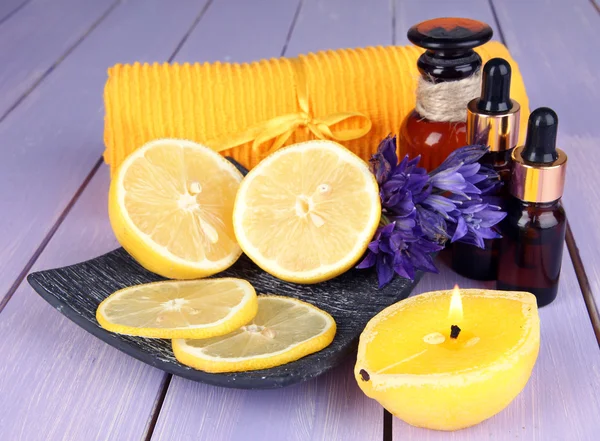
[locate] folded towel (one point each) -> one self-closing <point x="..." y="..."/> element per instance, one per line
<point x="354" y="96"/>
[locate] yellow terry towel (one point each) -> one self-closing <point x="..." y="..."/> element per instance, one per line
<point x="354" y="96"/>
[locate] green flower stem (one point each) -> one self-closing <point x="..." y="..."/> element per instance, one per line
<point x="383" y="221"/>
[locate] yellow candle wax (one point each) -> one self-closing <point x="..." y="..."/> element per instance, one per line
<point x="448" y="361"/>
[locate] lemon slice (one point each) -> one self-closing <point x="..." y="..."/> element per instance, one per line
<point x="307" y="213"/>
<point x="170" y="206"/>
<point x="179" y="309"/>
<point x="284" y="330"/>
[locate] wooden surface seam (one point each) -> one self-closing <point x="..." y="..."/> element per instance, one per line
<point x="292" y="26"/>
<point x="40" y="249"/>
<point x="156" y="409"/>
<point x="11" y="10"/>
<point x="584" y="282"/>
<point x="70" y="49"/>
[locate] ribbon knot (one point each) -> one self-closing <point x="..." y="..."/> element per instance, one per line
<point x="279" y="129"/>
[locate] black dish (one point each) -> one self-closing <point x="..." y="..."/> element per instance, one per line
<point x="352" y="299"/>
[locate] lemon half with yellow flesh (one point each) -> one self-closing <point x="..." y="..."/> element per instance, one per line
<point x="284" y="330"/>
<point x="307" y="212"/>
<point x="170" y="207"/>
<point x="409" y="363"/>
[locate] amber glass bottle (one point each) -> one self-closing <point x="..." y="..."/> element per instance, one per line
<point x="535" y="226"/>
<point x="532" y="249"/>
<point x="492" y="120"/>
<point x="449" y="56"/>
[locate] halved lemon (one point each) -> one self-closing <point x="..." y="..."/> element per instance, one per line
<point x="284" y="330"/>
<point x="170" y="206"/>
<point x="179" y="309"/>
<point x="411" y="364"/>
<point x="307" y="212"/>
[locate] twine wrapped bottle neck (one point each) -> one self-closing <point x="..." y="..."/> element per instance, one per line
<point x="447" y="101"/>
<point x="450" y="68"/>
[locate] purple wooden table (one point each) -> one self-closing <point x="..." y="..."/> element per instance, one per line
<point x="59" y="383"/>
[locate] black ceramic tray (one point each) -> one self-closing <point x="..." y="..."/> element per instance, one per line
<point x="352" y="299"/>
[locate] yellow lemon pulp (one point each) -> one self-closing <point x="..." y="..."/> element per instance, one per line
<point x="307" y="212"/>
<point x="179" y="309"/>
<point x="170" y="206"/>
<point x="409" y="363"/>
<point x="284" y="329"/>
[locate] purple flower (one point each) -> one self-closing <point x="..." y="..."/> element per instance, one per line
<point x="487" y="180"/>
<point x="474" y="222"/>
<point x="480" y="178"/>
<point x="401" y="185"/>
<point x="385" y="160"/>
<point x="396" y="251"/>
<point x="469" y="154"/>
<point x="396" y="199"/>
<point x="440" y="204"/>
<point x="421" y="212"/>
<point x="433" y="225"/>
<point x="452" y="180"/>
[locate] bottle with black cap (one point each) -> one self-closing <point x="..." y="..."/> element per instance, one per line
<point x="492" y="120"/>
<point x="535" y="226"/>
<point x="436" y="127"/>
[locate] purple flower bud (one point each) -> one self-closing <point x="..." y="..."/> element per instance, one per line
<point x="464" y="155"/>
<point x="385" y="160"/>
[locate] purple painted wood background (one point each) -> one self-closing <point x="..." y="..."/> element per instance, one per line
<point x="59" y="383"/>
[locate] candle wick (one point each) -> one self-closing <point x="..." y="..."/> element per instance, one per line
<point x="454" y="331"/>
<point x="364" y="375"/>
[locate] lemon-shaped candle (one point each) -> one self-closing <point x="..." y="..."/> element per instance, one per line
<point x="448" y="360"/>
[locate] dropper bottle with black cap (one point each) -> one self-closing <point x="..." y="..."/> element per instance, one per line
<point x="493" y="121"/>
<point x="535" y="226"/>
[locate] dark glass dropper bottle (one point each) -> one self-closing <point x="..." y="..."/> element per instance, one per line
<point x="535" y="226"/>
<point x="492" y="120"/>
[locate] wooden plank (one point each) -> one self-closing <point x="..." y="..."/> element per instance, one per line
<point x="330" y="407"/>
<point x="56" y="379"/>
<point x="8" y="8"/>
<point x="335" y="24"/>
<point x="54" y="137"/>
<point x="254" y="30"/>
<point x="34" y="40"/>
<point x="559" y="67"/>
<point x="560" y="400"/>
<point x="561" y="70"/>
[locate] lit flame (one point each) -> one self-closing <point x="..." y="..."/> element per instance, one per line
<point x="455" y="313"/>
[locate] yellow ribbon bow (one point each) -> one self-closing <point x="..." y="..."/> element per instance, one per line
<point x="280" y="128"/>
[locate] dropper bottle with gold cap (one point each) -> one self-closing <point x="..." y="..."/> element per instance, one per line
<point x="535" y="226"/>
<point x="493" y="121"/>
